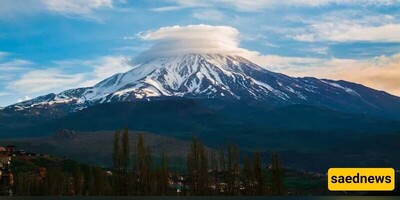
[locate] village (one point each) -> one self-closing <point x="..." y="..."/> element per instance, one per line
<point x="24" y="173"/>
<point x="8" y="154"/>
<point x="6" y="175"/>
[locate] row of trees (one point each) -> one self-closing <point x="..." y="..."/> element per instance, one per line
<point x="219" y="171"/>
<point x="215" y="172"/>
<point x="138" y="175"/>
<point x="209" y="171"/>
<point x="57" y="181"/>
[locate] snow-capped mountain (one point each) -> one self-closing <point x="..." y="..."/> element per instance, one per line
<point x="217" y="76"/>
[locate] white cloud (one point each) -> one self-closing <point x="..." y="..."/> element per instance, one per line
<point x="129" y="37"/>
<point x="10" y="9"/>
<point x="14" y="65"/>
<point x="346" y="33"/>
<point x="45" y="80"/>
<point x="167" y="8"/>
<point x="10" y="66"/>
<point x="109" y="65"/>
<point x="178" y="40"/>
<point x="57" y="79"/>
<point x="26" y="98"/>
<point x="136" y="48"/>
<point x="254" y="5"/>
<point x="206" y="39"/>
<point x="269" y="44"/>
<point x="3" y="54"/>
<point x="319" y="50"/>
<point x="4" y="94"/>
<point x="380" y="72"/>
<point x="276" y="62"/>
<point x="105" y="67"/>
<point x="208" y="15"/>
<point x="83" y="8"/>
<point x="348" y="26"/>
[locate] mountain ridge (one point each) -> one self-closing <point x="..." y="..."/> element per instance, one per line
<point x="215" y="76"/>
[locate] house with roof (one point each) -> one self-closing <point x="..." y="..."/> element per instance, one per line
<point x="5" y="161"/>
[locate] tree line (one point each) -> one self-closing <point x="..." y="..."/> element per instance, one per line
<point x="136" y="171"/>
<point x="58" y="181"/>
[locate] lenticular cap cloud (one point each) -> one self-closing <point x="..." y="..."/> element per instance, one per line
<point x="191" y="39"/>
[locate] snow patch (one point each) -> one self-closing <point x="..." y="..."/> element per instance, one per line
<point x="348" y="90"/>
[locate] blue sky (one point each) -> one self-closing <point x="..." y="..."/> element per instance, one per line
<point x="52" y="45"/>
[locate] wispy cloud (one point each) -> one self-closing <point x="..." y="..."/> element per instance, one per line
<point x="256" y="5"/>
<point x="58" y="78"/>
<point x="282" y="63"/>
<point x="14" y="65"/>
<point x="105" y="67"/>
<point x="319" y="50"/>
<point x="11" y="66"/>
<point x="349" y="26"/>
<point x="168" y="8"/>
<point x="26" y="98"/>
<point x="4" y="94"/>
<point x="3" y="54"/>
<point x="36" y="81"/>
<point x="208" y="15"/>
<point x="131" y="48"/>
<point x="269" y="44"/>
<point x="80" y="8"/>
<point x="347" y="33"/>
<point x="71" y="8"/>
<point x="381" y="72"/>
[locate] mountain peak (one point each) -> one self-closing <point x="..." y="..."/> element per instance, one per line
<point x="189" y="74"/>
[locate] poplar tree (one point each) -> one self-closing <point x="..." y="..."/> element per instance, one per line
<point x="213" y="160"/>
<point x="277" y="187"/>
<point x="214" y="168"/>
<point x="142" y="166"/>
<point x="197" y="162"/>
<point x="222" y="165"/>
<point x="102" y="186"/>
<point x="78" y="180"/>
<point x="259" y="174"/>
<point x="91" y="187"/>
<point x="117" y="164"/>
<point x="124" y="162"/>
<point x="203" y="178"/>
<point x="162" y="183"/>
<point x="149" y="174"/>
<point x="221" y="156"/>
<point x="116" y="152"/>
<point x="248" y="177"/>
<point x="54" y="182"/>
<point x="233" y="169"/>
